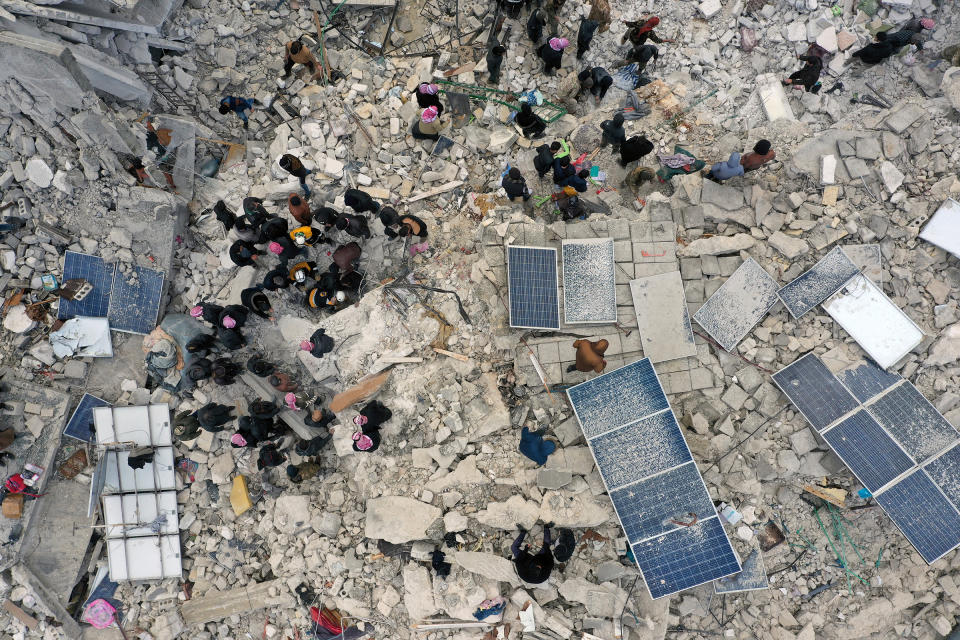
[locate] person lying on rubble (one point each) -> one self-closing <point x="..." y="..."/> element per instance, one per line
<point x="910" y="33"/>
<point x="876" y="52"/>
<point x="761" y="155"/>
<point x="533" y="568"/>
<point x="208" y="312"/>
<point x="428" y="96"/>
<point x="721" y="171"/>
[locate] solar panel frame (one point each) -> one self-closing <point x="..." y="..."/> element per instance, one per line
<point x="871" y="454"/>
<point x="98" y="273"/>
<point x="134" y="309"/>
<point x="944" y="470"/>
<point x="924" y="515"/>
<point x="867" y="380"/>
<point x="600" y="408"/>
<point x="818" y="283"/>
<point x="752" y="578"/>
<point x="518" y="258"/>
<point x="589" y="281"/>
<point x="651" y="445"/>
<point x="815" y="401"/>
<point x="82" y="415"/>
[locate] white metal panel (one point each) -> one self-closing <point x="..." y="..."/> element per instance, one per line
<point x="156" y="476"/>
<point x="120" y="512"/>
<point x="943" y="228"/>
<point x="147" y="558"/>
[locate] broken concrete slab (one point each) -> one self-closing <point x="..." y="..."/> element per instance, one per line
<point x="738" y="305"/>
<point x="398" y="519"/>
<point x="662" y="317"/>
<point x="774" y="98"/>
<point x="217" y="605"/>
<point x="717" y="245"/>
<point x="488" y="565"/>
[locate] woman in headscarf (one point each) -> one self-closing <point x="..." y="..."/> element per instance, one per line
<point x="532" y="124"/>
<point x="552" y="54"/>
<point x="367" y="438"/>
<point x="634" y="148"/>
<point x="428" y="96"/>
<point x="428" y="126"/>
<point x="876" y="52"/>
<point x="638" y="32"/>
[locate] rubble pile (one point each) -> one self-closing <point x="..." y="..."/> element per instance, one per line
<point x="83" y="91"/>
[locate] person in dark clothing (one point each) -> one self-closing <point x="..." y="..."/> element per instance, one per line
<point x="299" y="209"/>
<point x="535" y="24"/>
<point x="642" y="56"/>
<point x="285" y="248"/>
<point x="909" y="34"/>
<point x="355" y="226"/>
<point x="408" y="225"/>
<point x="311" y="447"/>
<point x="876" y="52"/>
<point x="515" y="186"/>
<point x="233" y="316"/>
<point x="345" y="259"/>
<point x="427" y="95"/>
<point x="270" y="457"/>
<point x="561" y="169"/>
<point x="213" y="416"/>
<point x="260" y="367"/>
<point x="185" y="425"/>
<point x="634" y="148"/>
<point x="226" y="217"/>
<point x="639" y="32"/>
<point x="544" y="160"/>
<point x="199" y="369"/>
<point x="512" y="8"/>
<point x="389" y="217"/>
<point x="326" y="216"/>
<point x="601" y="82"/>
<point x="244" y="254"/>
<point x="533" y="568"/>
<point x="257" y="301"/>
<point x="552" y="54"/>
<point x="243" y="437"/>
<point x="360" y="201"/>
<point x="577" y="179"/>
<point x="294" y="167"/>
<point x="277" y="278"/>
<point x="263" y="409"/>
<point x="585" y="35"/>
<point x="613" y="132"/>
<point x="225" y="371"/>
<point x="297" y="473"/>
<point x="201" y="344"/>
<point x="532" y="125"/>
<point x="319" y="344"/>
<point x="319" y="417"/>
<point x="366" y="439"/>
<point x="208" y="311"/>
<point x="495" y="61"/>
<point x="282" y="382"/>
<point x="808" y="75"/>
<point x="374" y="413"/>
<point x="273" y="228"/>
<point x="230" y="338"/>
<point x="239" y="106"/>
<point x="255" y="213"/>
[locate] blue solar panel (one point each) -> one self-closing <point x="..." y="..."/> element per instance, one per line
<point x="945" y="471"/>
<point x="867" y="379"/>
<point x="815" y="391"/>
<point x="646" y="447"/>
<point x="752" y="578"/>
<point x="134" y="307"/>
<point x="686" y="557"/>
<point x="80" y="425"/>
<point x="923" y="514"/>
<point x="617" y="398"/>
<point x="532" y="285"/>
<point x="94" y="270"/>
<point x="868" y="450"/>
<point x="647" y="507"/>
<point x="913" y="422"/>
<point x="819" y="283"/>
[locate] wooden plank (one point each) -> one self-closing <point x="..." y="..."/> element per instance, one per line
<point x="20" y="614"/>
<point x="451" y="354"/>
<point x="360" y="391"/>
<point x="450" y="186"/>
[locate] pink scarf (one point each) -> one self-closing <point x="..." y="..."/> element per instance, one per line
<point x="364" y="443"/>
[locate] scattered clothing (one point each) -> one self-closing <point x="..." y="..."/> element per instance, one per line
<point x="437" y="561"/>
<point x="680" y="161"/>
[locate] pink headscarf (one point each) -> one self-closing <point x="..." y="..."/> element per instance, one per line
<point x="559" y="44"/>
<point x="359" y="420"/>
<point x="238" y="440"/>
<point x="927" y="23"/>
<point x="275" y="247"/>
<point x="429" y="114"/>
<point x="229" y="322"/>
<point x="197" y="311"/>
<point x="291" y="401"/>
<point x="429" y="89"/>
<point x="306" y="345"/>
<point x="364" y="443"/>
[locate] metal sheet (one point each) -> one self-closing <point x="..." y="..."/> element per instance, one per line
<point x="752" y="578"/>
<point x="80" y="425"/>
<point x="617" y="398"/>
<point x="913" y="422"/>
<point x="589" y="281"/>
<point x="662" y="317"/>
<point x="738" y="305"/>
<point x="943" y="227"/>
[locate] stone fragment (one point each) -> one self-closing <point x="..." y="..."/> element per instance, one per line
<point x="904" y="117"/>
<point x="728" y="198"/>
<point x="709" y="8"/>
<point x="892" y="177"/>
<point x="39" y="173"/>
<point x="466" y="473"/>
<point x="717" y="245"/>
<point x="946" y="349"/>
<point x="828" y="169"/>
<point x="398" y="519"/>
<point x="501" y="140"/>
<point x="845" y="40"/>
<point x="17" y="320"/>
<point x="291" y="513"/>
<point x="488" y="565"/>
<point x="790" y="246"/>
<point x="418" y="592"/>
<point x="828" y="39"/>
<point x="506" y="515"/>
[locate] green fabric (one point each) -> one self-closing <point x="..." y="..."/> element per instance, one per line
<point x="665" y="173"/>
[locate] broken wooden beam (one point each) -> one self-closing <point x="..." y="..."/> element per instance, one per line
<point x="449" y="186"/>
<point x="451" y="354"/>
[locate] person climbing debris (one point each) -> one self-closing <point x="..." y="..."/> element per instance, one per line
<point x="761" y="155"/>
<point x="533" y="568"/>
<point x="292" y="165"/>
<point x="295" y="54"/>
<point x="494" y="62"/>
<point x="589" y="356"/>
<point x="601" y="82"/>
<point x="639" y="32"/>
<point x="239" y="106"/>
<point x="809" y="75"/>
<point x="613" y="132"/>
<point x="585" y="34"/>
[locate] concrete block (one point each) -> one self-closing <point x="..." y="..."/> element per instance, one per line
<point x="709" y="8"/>
<point x="828" y="169"/>
<point x="774" y="98"/>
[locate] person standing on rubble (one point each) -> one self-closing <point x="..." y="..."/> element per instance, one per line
<point x="243" y="253"/>
<point x="515" y="186"/>
<point x="368" y="422"/>
<point x="296" y="53"/>
<point x="809" y="75"/>
<point x="642" y="56"/>
<point x="273" y="228"/>
<point x="319" y="344"/>
<point x="494" y="61"/>
<point x="585" y="34"/>
<point x="225" y="371"/>
<point x="639" y="32"/>
<point x="600" y="11"/>
<point x="293" y="166"/>
<point x="761" y="155"/>
<point x="533" y="568"/>
<point x="213" y="416"/>
<point x="535" y="24"/>
<point x="239" y="106"/>
<point x="613" y="132"/>
<point x="254" y="299"/>
<point x="428" y="126"/>
<point x="299" y="209"/>
<point x="552" y="54"/>
<point x="355" y="226"/>
<point x="407" y="225"/>
<point x="285" y="248"/>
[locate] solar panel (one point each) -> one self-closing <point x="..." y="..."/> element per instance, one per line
<point x="94" y="270"/>
<point x="868" y="450"/>
<point x="738" y="305"/>
<point x="656" y="489"/>
<point x="866" y="379"/>
<point x="589" y="281"/>
<point x="815" y="391"/>
<point x="819" y="283"/>
<point x="80" y="425"/>
<point x="752" y="578"/>
<point x="532" y="286"/>
<point x="641" y="506"/>
<point x="134" y="307"/>
<point x="617" y="398"/>
<point x="923" y="514"/>
<point x="913" y="422"/>
<point x="686" y="557"/>
<point x="945" y="471"/>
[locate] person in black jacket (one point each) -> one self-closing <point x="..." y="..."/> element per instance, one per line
<point x="562" y="169"/>
<point x="243" y="253"/>
<point x="642" y="56"/>
<point x="326" y="216"/>
<point x="552" y="54"/>
<point x="213" y="416"/>
<point x="233" y="316"/>
<point x="319" y="344"/>
<point x="277" y="278"/>
<point x="876" y="52"/>
<point x="407" y="225"/>
<point x="533" y="568"/>
<point x="293" y="166"/>
<point x="355" y="226"/>
<point x="808" y="75"/>
<point x="260" y="367"/>
<point x="230" y="338"/>
<point x="285" y="248"/>
<point x="208" y="311"/>
<point x="254" y="211"/>
<point x="360" y="201"/>
<point x="585" y="35"/>
<point x="254" y="299"/>
<point x="613" y="132"/>
<point x="263" y="410"/>
<point x="495" y="61"/>
<point x="634" y="148"/>
<point x="201" y="344"/>
<point x="601" y="82"/>
<point x="515" y="186"/>
<point x="535" y="24"/>
<point x="225" y="371"/>
<point x="575" y="179"/>
<point x="272" y="228"/>
<point x="532" y="125"/>
<point x="199" y="369"/>
<point x="270" y="457"/>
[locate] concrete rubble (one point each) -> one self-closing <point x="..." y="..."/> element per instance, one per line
<point x="81" y="82"/>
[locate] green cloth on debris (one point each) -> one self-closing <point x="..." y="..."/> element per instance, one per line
<point x="665" y="173"/>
